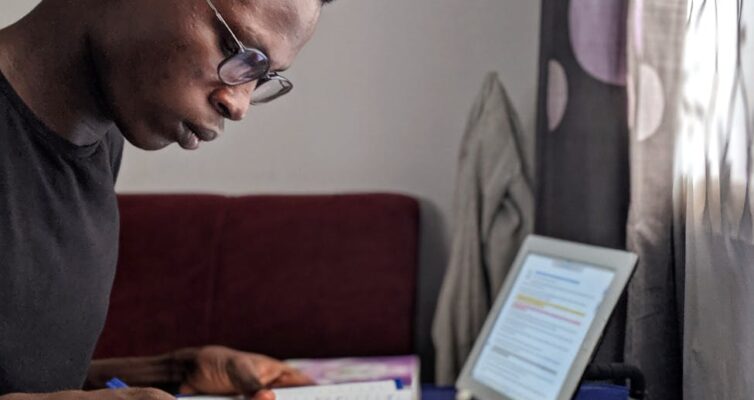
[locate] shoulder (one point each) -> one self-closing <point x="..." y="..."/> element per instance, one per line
<point x="113" y="143"/>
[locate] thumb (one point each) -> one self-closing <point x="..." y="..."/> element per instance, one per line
<point x="264" y="395"/>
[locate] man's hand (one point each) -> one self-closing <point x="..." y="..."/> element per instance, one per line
<point x="220" y="370"/>
<point x="120" y="394"/>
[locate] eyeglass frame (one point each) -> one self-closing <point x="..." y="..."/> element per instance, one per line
<point x="268" y="76"/>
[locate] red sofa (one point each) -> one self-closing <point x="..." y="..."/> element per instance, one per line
<point x="288" y="276"/>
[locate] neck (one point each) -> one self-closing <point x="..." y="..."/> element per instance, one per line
<point x="46" y="58"/>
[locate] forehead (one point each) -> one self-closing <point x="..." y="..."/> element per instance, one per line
<point x="280" y="28"/>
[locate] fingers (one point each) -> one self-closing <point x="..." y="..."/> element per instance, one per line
<point x="244" y="377"/>
<point x="267" y="369"/>
<point x="275" y="373"/>
<point x="221" y="371"/>
<point x="292" y="377"/>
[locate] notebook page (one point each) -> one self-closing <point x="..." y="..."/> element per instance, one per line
<point x="380" y="390"/>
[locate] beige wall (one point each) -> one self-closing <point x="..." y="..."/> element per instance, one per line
<point x="381" y="98"/>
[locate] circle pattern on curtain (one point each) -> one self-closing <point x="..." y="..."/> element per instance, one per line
<point x="598" y="38"/>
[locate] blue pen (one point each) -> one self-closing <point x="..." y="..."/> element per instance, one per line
<point x="116" y="383"/>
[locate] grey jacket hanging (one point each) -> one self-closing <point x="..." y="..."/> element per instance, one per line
<point x="494" y="212"/>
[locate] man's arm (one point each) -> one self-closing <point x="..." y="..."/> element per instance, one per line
<point x="210" y="370"/>
<point x="206" y="370"/>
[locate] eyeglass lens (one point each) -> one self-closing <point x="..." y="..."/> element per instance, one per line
<point x="270" y="89"/>
<point x="243" y="67"/>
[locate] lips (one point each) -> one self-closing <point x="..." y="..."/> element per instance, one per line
<point x="192" y="135"/>
<point x="205" y="135"/>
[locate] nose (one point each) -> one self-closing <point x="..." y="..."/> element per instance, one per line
<point x="232" y="102"/>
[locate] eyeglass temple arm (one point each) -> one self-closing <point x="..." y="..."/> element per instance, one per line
<point x="225" y="24"/>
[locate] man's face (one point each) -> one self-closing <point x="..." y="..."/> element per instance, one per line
<point x="157" y="63"/>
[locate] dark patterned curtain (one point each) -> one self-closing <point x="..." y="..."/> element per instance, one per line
<point x="582" y="133"/>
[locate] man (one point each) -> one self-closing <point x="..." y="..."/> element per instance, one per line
<point x="76" y="77"/>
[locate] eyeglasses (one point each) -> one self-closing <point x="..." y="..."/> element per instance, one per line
<point x="248" y="65"/>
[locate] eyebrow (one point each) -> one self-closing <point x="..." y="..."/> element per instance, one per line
<point x="230" y="30"/>
<point x="266" y="52"/>
<point x="264" y="49"/>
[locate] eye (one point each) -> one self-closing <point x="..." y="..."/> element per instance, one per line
<point x="228" y="47"/>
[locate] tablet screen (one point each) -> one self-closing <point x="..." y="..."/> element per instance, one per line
<point x="541" y="327"/>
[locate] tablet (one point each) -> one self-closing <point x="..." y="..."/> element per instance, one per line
<point x="546" y="321"/>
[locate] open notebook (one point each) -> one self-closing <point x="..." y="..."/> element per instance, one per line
<point x="355" y="378"/>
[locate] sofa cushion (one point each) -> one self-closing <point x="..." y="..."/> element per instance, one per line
<point x="289" y="276"/>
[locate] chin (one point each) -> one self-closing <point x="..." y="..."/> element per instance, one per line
<point x="146" y="141"/>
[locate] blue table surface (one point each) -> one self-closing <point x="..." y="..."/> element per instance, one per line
<point x="586" y="392"/>
<point x="432" y="392"/>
